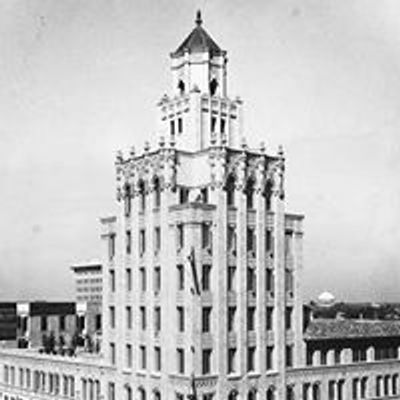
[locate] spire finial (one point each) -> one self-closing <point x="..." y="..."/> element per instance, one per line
<point x="199" y="20"/>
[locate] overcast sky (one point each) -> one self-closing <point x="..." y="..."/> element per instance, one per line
<point x="79" y="79"/>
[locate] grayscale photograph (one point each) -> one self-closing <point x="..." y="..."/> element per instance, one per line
<point x="200" y="200"/>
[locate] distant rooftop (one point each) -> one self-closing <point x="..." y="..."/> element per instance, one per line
<point x="325" y="329"/>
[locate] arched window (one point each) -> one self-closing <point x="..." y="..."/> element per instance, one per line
<point x="127" y="199"/>
<point x="157" y="192"/>
<point x="181" y="86"/>
<point x="233" y="394"/>
<point x="142" y="394"/>
<point x="289" y="392"/>
<point x="156" y="394"/>
<point x="271" y="393"/>
<point x="250" y="193"/>
<point x="230" y="190"/>
<point x="316" y="391"/>
<point x="213" y="86"/>
<point x="395" y="384"/>
<point x="128" y="392"/>
<point x="252" y="395"/>
<point x="142" y="196"/>
<point x="268" y="195"/>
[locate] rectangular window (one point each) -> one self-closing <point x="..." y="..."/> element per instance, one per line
<point x="128" y="273"/>
<point x="142" y="241"/>
<point x="251" y="240"/>
<point x="289" y="356"/>
<point x="205" y="235"/>
<point x="157" y="239"/>
<point x="251" y="279"/>
<point x="62" y="322"/>
<point x="172" y="127"/>
<point x="180" y="236"/>
<point x="129" y="317"/>
<point x="268" y="240"/>
<point x="180" y="125"/>
<point x="112" y="316"/>
<point x="111" y="391"/>
<point x="157" y="319"/>
<point x="213" y="124"/>
<point x="143" y="318"/>
<point x="183" y="195"/>
<point x="324" y="357"/>
<point x="289" y="281"/>
<point x="111" y="246"/>
<point x="231" y="238"/>
<point x="181" y="276"/>
<point x="205" y="318"/>
<point x="181" y="360"/>
<point x="269" y="280"/>
<point x="205" y="279"/>
<point x="128" y="356"/>
<point x="128" y="242"/>
<point x="206" y="361"/>
<point x="112" y="280"/>
<point x="142" y="357"/>
<point x="288" y="318"/>
<point x="251" y="312"/>
<point x="112" y="353"/>
<point x="157" y="358"/>
<point x="337" y="356"/>
<point x="181" y="319"/>
<point x="142" y="279"/>
<point x="43" y="323"/>
<point x="231" y="361"/>
<point x="251" y="355"/>
<point x="270" y="357"/>
<point x="269" y="318"/>
<point x="157" y="279"/>
<point x="231" y="318"/>
<point x="222" y="125"/>
<point x="231" y="284"/>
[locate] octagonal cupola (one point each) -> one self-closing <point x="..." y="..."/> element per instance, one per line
<point x="199" y="63"/>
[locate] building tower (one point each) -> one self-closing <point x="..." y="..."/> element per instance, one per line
<point x="202" y="267"/>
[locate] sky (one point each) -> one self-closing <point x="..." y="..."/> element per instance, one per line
<point x="79" y="80"/>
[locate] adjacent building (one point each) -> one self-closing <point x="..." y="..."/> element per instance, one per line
<point x="202" y="273"/>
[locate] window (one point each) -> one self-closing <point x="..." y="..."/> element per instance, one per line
<point x="395" y="383"/>
<point x="269" y="280"/>
<point x="142" y="357"/>
<point x="181" y="319"/>
<point x="181" y="277"/>
<point x="157" y="358"/>
<point x="269" y="357"/>
<point x="269" y="318"/>
<point x="288" y="318"/>
<point x="268" y="240"/>
<point x="172" y="127"/>
<point x="180" y="125"/>
<point x="289" y="392"/>
<point x="129" y="317"/>
<point x="142" y="196"/>
<point x="112" y="316"/>
<point x="231" y="360"/>
<point x="231" y="283"/>
<point x="128" y="242"/>
<point x="128" y="273"/>
<point x="251" y="352"/>
<point x="251" y="279"/>
<point x="43" y="323"/>
<point x="289" y="281"/>
<point x="223" y="125"/>
<point x="157" y="279"/>
<point x="205" y="280"/>
<point x="112" y="353"/>
<point x="289" y="356"/>
<point x="112" y="280"/>
<point x="183" y="195"/>
<point x="62" y="322"/>
<point x="128" y="356"/>
<point x="251" y="240"/>
<point x="205" y="318"/>
<point x="230" y="191"/>
<point x="213" y="124"/>
<point x="250" y="194"/>
<point x="206" y="361"/>
<point x="143" y="318"/>
<point x="111" y="391"/>
<point x="205" y="235"/>
<point x="231" y="238"/>
<point x="181" y="236"/>
<point x="111" y="246"/>
<point x="337" y="356"/>
<point x="324" y="357"/>
<point x="213" y="86"/>
<point x="142" y="279"/>
<point x="181" y="360"/>
<point x="157" y="192"/>
<point x="157" y="240"/>
<point x="142" y="241"/>
<point x="181" y="86"/>
<point x="231" y="318"/>
<point x="157" y="319"/>
<point x="251" y="312"/>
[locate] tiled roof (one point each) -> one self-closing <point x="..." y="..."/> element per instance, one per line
<point x="351" y="329"/>
<point x="198" y="41"/>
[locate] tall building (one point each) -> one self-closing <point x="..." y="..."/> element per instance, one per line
<point x="202" y="273"/>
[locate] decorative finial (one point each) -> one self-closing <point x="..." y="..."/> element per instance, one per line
<point x="198" y="21"/>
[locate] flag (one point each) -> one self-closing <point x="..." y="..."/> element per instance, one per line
<point x="192" y="262"/>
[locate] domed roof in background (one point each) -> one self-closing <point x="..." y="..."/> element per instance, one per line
<point x="198" y="41"/>
<point x="326" y="299"/>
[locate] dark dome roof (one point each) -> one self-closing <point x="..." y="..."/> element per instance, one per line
<point x="198" y="41"/>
